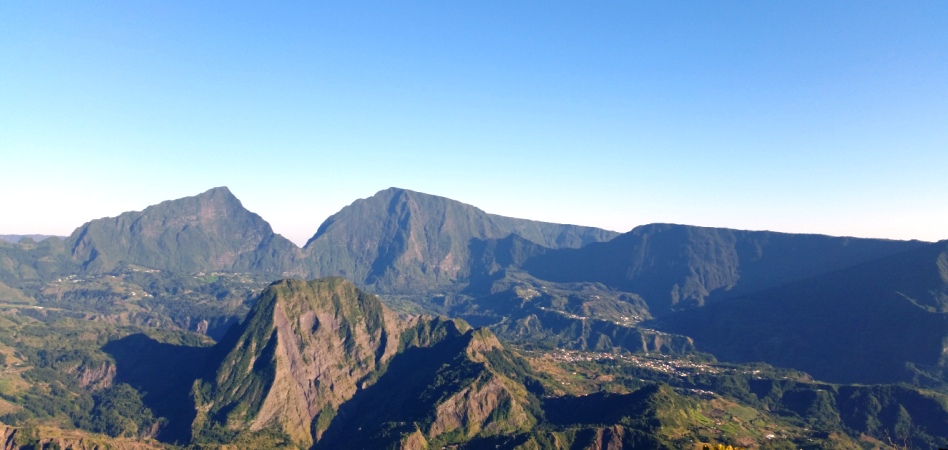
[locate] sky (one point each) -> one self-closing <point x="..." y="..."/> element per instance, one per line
<point x="803" y="117"/>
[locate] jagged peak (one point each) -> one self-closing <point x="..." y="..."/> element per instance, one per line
<point x="204" y="204"/>
<point x="217" y="191"/>
<point x="220" y="195"/>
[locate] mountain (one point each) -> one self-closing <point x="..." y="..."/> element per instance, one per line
<point x="321" y="364"/>
<point x="588" y="341"/>
<point x="400" y="241"/>
<point x="308" y="352"/>
<point x="207" y="232"/>
<point x="879" y="322"/>
<point x="304" y="348"/>
<point x="31" y="261"/>
<point x="15" y="238"/>
<point x="675" y="267"/>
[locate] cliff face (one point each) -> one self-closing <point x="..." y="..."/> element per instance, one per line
<point x="97" y="377"/>
<point x="304" y="349"/>
<point x="310" y="354"/>
<point x="436" y="392"/>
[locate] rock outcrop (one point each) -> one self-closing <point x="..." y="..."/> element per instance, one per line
<point x="311" y="356"/>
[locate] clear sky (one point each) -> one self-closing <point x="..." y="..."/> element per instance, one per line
<point x="796" y="116"/>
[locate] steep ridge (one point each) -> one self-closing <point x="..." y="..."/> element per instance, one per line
<point x="881" y="321"/>
<point x="304" y="348"/>
<point x="308" y="348"/>
<point x="400" y="241"/>
<point x="675" y="267"/>
<point x="210" y="231"/>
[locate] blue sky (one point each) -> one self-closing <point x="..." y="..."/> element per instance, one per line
<point x="804" y="116"/>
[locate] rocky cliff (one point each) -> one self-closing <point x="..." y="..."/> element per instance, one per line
<point x="310" y="355"/>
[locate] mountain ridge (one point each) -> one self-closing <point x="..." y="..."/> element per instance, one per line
<point x="844" y="326"/>
<point x="681" y="266"/>
<point x="400" y="240"/>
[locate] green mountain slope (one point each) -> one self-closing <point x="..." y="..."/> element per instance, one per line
<point x="400" y="241"/>
<point x="210" y="231"/>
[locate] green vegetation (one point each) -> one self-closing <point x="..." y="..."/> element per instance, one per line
<point x="748" y="402"/>
<point x="62" y="377"/>
<point x="119" y="411"/>
<point x="94" y="333"/>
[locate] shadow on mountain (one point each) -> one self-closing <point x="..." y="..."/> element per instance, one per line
<point x="163" y="374"/>
<point x="678" y="267"/>
<point x="879" y="322"/>
<point x="599" y="408"/>
<point x="402" y="398"/>
<point x="490" y="259"/>
<point x="633" y="420"/>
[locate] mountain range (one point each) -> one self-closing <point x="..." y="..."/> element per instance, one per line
<point x="427" y="364"/>
<point x="395" y="241"/>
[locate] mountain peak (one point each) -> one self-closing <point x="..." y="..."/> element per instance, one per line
<point x="316" y="359"/>
<point x="400" y="240"/>
<point x="218" y="193"/>
<point x="208" y="231"/>
<point x="304" y="348"/>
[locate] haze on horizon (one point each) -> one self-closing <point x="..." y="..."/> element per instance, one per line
<point x="803" y="117"/>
